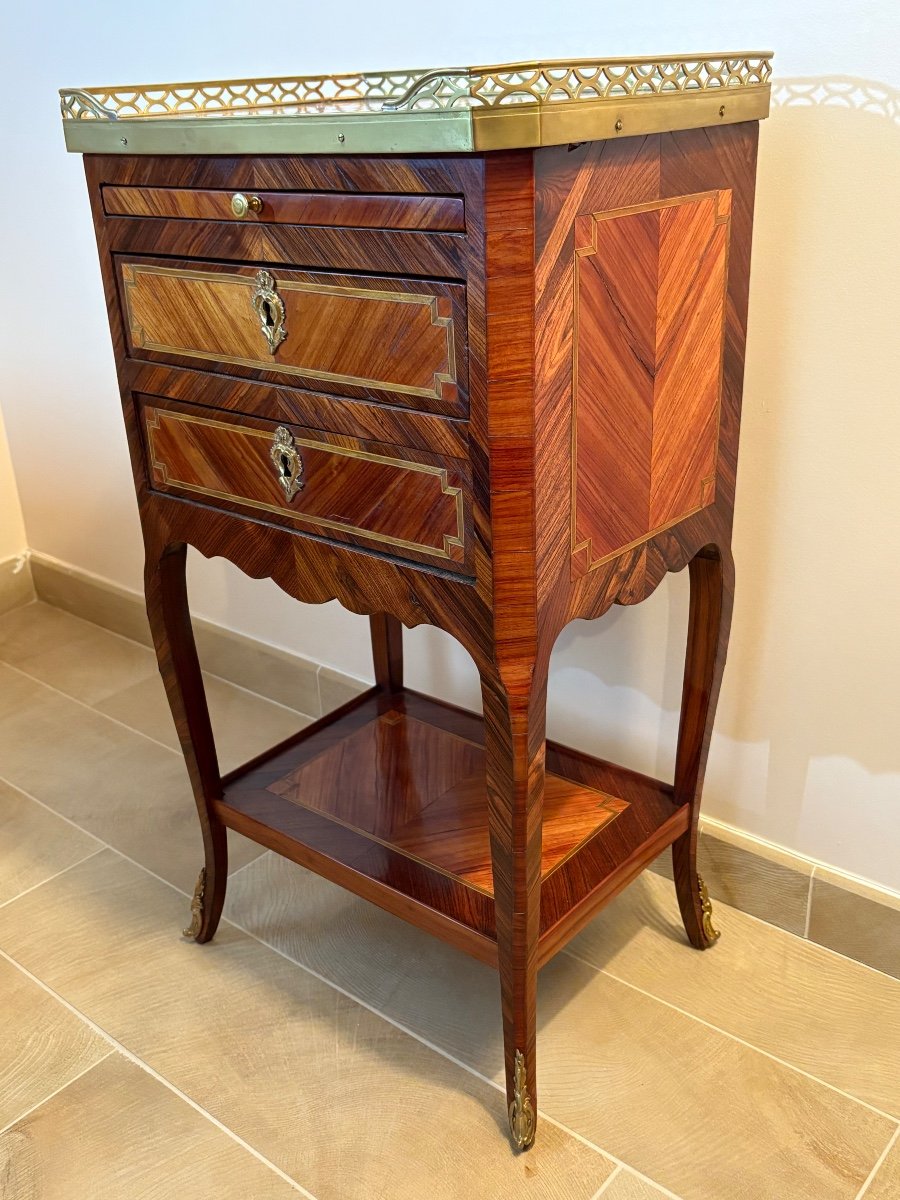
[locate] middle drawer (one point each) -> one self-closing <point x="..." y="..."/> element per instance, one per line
<point x="401" y="341"/>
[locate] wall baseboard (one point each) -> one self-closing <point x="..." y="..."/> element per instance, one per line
<point x="16" y="585"/>
<point x="845" y="913"/>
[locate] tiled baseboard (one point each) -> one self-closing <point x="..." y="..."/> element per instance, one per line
<point x="846" y="914"/>
<point x="16" y="585"/>
<point x="275" y="674"/>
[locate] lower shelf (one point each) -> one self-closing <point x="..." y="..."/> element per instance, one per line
<point x="387" y="798"/>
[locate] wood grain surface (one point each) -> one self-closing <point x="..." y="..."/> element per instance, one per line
<point x="392" y="335"/>
<point x="50" y="1047"/>
<point x="396" y="794"/>
<point x="663" y="223"/>
<point x="648" y="355"/>
<point x="401" y="781"/>
<point x="360" y="492"/>
<point x="438" y="213"/>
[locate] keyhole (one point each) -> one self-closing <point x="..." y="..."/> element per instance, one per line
<point x="285" y="466"/>
<point x="267" y="314"/>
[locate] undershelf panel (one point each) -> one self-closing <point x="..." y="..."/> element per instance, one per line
<point x="387" y="797"/>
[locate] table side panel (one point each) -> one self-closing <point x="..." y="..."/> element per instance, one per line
<point x="624" y="497"/>
<point x="647" y="361"/>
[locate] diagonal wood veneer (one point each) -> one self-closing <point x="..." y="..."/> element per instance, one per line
<point x="650" y="296"/>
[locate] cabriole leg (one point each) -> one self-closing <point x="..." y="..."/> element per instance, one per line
<point x="514" y="752"/>
<point x="170" y="622"/>
<point x="709" y="624"/>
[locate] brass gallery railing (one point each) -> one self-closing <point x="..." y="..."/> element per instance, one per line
<point x="457" y="108"/>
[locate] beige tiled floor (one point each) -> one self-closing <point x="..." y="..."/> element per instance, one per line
<point x="322" y="1047"/>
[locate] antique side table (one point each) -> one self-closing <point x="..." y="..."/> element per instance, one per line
<point x="462" y="347"/>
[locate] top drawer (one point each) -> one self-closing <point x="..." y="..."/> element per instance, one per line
<point x="395" y="340"/>
<point x="433" y="214"/>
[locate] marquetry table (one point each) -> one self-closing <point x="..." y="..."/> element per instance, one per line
<point x="462" y="347"/>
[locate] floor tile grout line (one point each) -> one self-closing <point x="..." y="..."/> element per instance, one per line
<point x="607" y="1183"/>
<point x="798" y="937"/>
<point x="445" y="1054"/>
<point x="139" y="1062"/>
<point x="809" y="900"/>
<point x="879" y="1164"/>
<point x="62" y="816"/>
<point x="123" y="637"/>
<point x="495" y="1086"/>
<point x="55" y="875"/>
<point x="432" y="1046"/>
<point x="177" y="752"/>
<point x="23" y="1116"/>
<point x="243" y="866"/>
<point x="620" y="1165"/>
<point x="733" y="1037"/>
<point x="258" y="695"/>
<point x="318" y="667"/>
<point x="96" y="711"/>
<point x="107" y="846"/>
<point x="131" y="728"/>
<point x="567" y="950"/>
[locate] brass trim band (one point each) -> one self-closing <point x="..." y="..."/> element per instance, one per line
<point x="450" y="109"/>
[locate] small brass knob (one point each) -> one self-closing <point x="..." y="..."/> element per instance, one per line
<point x="241" y="204"/>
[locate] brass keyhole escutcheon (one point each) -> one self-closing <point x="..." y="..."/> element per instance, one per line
<point x="288" y="463"/>
<point x="241" y="204"/>
<point x="269" y="309"/>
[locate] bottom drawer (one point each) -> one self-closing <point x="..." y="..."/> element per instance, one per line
<point x="405" y="503"/>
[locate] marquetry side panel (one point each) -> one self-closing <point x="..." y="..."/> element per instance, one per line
<point x="621" y="179"/>
<point x="649" y="322"/>
<point x="336" y="331"/>
<point x="374" y="496"/>
<point x="570" y="182"/>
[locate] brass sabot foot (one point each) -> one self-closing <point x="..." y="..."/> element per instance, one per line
<point x="522" y="1121"/>
<point x="709" y="931"/>
<point x="196" y="906"/>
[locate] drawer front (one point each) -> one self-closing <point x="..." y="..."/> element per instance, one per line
<point x="397" y="340"/>
<point x="405" y="503"/>
<point x="435" y="214"/>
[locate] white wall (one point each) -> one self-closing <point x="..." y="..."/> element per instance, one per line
<point x="12" y="526"/>
<point x="807" y="752"/>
